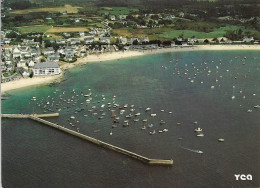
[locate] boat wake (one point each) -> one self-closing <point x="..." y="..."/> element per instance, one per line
<point x="192" y="150"/>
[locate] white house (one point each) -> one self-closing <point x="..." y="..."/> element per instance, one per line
<point x="112" y="17"/>
<point x="16" y="53"/>
<point x="31" y="63"/>
<point x="81" y="34"/>
<point x="89" y="39"/>
<point x="47" y="68"/>
<point x="144" y="40"/>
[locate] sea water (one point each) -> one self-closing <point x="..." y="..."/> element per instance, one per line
<point x="194" y="86"/>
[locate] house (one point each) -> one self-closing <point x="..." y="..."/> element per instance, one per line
<point x="31" y="63"/>
<point x="16" y="53"/>
<point x="25" y="73"/>
<point x="22" y="63"/>
<point x="69" y="56"/>
<point x="81" y="34"/>
<point x="144" y="40"/>
<point x="181" y="14"/>
<point x="122" y="17"/>
<point x="112" y="17"/>
<point x="34" y="52"/>
<point x="6" y="42"/>
<point x="105" y="40"/>
<point x="60" y="41"/>
<point x="48" y="51"/>
<point x="46" y="68"/>
<point x="123" y="40"/>
<point x="248" y="39"/>
<point x="77" y="20"/>
<point x="89" y="39"/>
<point x="74" y="41"/>
<point x="54" y="57"/>
<point x="170" y="17"/>
<point x="192" y="40"/>
<point x="66" y="34"/>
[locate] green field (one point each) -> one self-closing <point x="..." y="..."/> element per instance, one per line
<point x="32" y="29"/>
<point x="220" y="32"/>
<point x="116" y="10"/>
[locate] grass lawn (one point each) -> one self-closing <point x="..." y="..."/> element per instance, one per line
<point x="68" y="8"/>
<point x="117" y="10"/>
<point x="32" y="29"/>
<point x="151" y="32"/>
<point x="220" y="32"/>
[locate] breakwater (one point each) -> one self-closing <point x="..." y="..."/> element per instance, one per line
<point x="104" y="144"/>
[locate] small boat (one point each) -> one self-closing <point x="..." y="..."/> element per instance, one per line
<point x="150" y="125"/>
<point x="153" y="115"/>
<point x="126" y="124"/>
<point x="72" y="117"/>
<point x="152" y="132"/>
<point x="114" y="126"/>
<point x="111" y="133"/>
<point x="135" y="120"/>
<point x="147" y="109"/>
<point x="137" y="114"/>
<point x="162" y="122"/>
<point x="160" y="131"/>
<point x="200" y="135"/>
<point x="143" y="127"/>
<point x="257" y="106"/>
<point x="221" y="139"/>
<point x="233" y="97"/>
<point x="165" y="130"/>
<point x="198" y="129"/>
<point x="162" y="110"/>
<point x="144" y="120"/>
<point x="178" y="123"/>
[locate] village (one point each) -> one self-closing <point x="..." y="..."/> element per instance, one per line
<point x="39" y="53"/>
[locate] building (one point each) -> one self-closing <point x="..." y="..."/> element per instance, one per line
<point x="47" y="68"/>
<point x="112" y="17"/>
<point x="89" y="39"/>
<point x="104" y="40"/>
<point x="81" y="34"/>
<point x="144" y="40"/>
<point x="132" y="40"/>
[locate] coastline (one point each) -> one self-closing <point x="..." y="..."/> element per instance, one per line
<point x="27" y="82"/>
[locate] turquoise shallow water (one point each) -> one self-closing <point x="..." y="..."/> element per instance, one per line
<point x="35" y="155"/>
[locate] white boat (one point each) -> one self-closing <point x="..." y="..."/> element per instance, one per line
<point x="147" y="109"/>
<point x="165" y="130"/>
<point x="221" y="139"/>
<point x="135" y="120"/>
<point x="144" y="120"/>
<point x="198" y="129"/>
<point x="152" y="132"/>
<point x="257" y="106"/>
<point x="200" y="135"/>
<point x="153" y="115"/>
<point x="72" y="117"/>
<point x="137" y="114"/>
<point x="233" y="97"/>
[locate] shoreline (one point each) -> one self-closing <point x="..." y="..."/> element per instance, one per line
<point x="94" y="58"/>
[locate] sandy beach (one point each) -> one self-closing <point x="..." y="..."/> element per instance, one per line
<point x="27" y="82"/>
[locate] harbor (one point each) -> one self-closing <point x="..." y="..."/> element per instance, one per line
<point x="36" y="117"/>
<point x="153" y="106"/>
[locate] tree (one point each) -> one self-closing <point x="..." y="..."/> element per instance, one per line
<point x="206" y="41"/>
<point x="135" y="42"/>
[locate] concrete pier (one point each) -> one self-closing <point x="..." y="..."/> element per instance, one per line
<point x="104" y="144"/>
<point x="27" y="115"/>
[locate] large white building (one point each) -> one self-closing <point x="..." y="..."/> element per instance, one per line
<point x="47" y="68"/>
